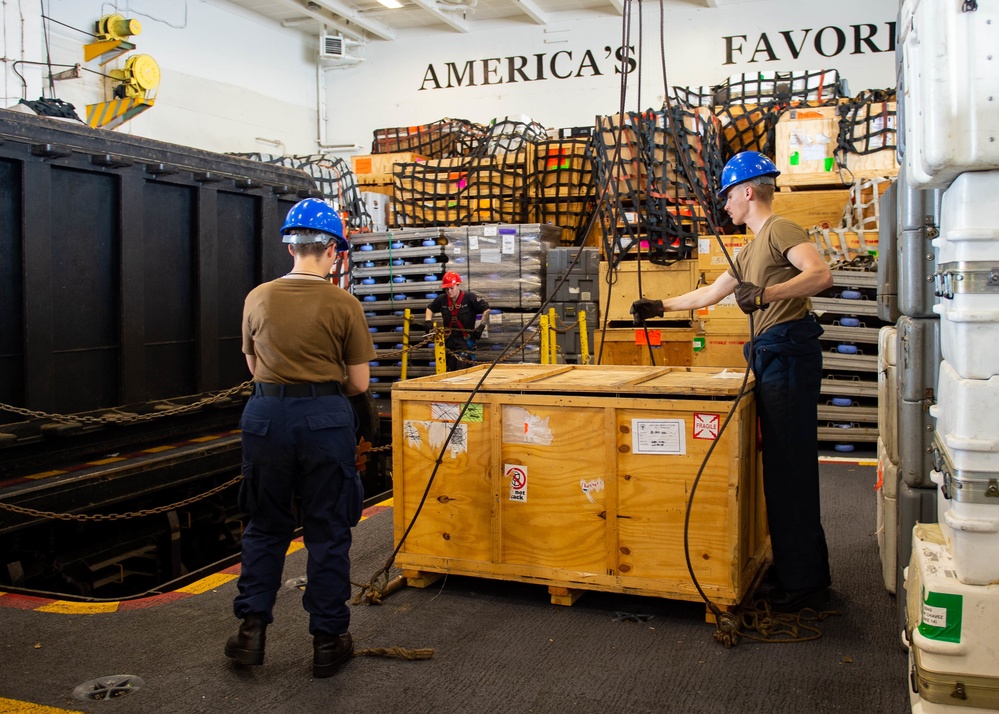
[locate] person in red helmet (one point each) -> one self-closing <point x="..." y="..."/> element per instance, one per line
<point x="777" y="273"/>
<point x="458" y="310"/>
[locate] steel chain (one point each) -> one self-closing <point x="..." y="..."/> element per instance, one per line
<point x="118" y="516"/>
<point x="126" y="418"/>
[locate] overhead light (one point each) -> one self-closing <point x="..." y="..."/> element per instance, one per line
<point x="391" y="4"/>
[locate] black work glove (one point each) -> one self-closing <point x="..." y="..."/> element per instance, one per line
<point x="644" y="309"/>
<point x="476" y="334"/>
<point x="428" y="326"/>
<point x="749" y="297"/>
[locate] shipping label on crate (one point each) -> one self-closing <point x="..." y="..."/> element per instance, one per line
<point x="434" y="434"/>
<point x="659" y="436"/>
<point x="450" y="412"/>
<point x="517" y="474"/>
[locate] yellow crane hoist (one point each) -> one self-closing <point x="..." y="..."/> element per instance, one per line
<point x="113" y="32"/>
<point x="135" y="93"/>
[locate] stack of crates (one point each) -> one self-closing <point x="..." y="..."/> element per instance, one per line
<point x="561" y="185"/>
<point x="951" y="154"/>
<point x="462" y="191"/>
<point x="504" y="264"/>
<point x="392" y="272"/>
<point x="572" y="280"/>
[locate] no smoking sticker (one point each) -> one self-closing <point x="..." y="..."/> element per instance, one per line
<point x="518" y="481"/>
<point x="706" y="426"/>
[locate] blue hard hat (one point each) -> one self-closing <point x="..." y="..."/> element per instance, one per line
<point x="744" y="166"/>
<point x="314" y="214"/>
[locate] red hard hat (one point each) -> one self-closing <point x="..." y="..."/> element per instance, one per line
<point x="450" y="280"/>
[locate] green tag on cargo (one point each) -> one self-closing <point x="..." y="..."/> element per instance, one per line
<point x="941" y="616"/>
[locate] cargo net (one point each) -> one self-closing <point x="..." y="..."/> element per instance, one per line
<point x="562" y="185"/>
<point x="442" y="139"/>
<point x="449" y="192"/>
<point x="863" y="211"/>
<point x="748" y="106"/>
<point x="509" y="136"/>
<point x="334" y="180"/>
<point x="867" y="124"/>
<point x="645" y="195"/>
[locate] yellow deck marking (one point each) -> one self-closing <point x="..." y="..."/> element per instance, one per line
<point x="847" y="460"/>
<point x="209" y="583"/>
<point x="103" y="462"/>
<point x="12" y="706"/>
<point x="157" y="449"/>
<point x="46" y="474"/>
<point x="202" y="439"/>
<point x="64" y="607"/>
<point x="295" y="546"/>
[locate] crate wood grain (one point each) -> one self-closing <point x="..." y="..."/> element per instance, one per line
<point x="658" y="282"/>
<point x="543" y="483"/>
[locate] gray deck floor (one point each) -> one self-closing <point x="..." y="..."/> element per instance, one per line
<point x="500" y="647"/>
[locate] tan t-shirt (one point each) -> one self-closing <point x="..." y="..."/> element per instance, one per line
<point x="764" y="262"/>
<point x="304" y="331"/>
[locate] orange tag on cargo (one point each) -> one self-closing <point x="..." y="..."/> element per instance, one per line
<point x="655" y="338"/>
<point x="362" y="166"/>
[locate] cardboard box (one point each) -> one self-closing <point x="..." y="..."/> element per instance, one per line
<point x="377" y="168"/>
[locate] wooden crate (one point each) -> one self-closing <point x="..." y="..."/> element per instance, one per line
<point x="527" y="491"/>
<point x="658" y="282"/>
<point x="377" y="168"/>
<point x="823" y="208"/>
<point x="673" y="346"/>
<point x="839" y="244"/>
<point x="710" y="256"/>
<point x="805" y="146"/>
<point x="720" y="349"/>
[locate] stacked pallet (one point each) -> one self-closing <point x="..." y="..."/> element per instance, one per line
<point x="395" y="272"/>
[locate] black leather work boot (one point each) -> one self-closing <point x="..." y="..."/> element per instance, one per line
<point x="329" y="652"/>
<point x="247" y="645"/>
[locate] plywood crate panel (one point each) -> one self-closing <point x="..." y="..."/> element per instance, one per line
<point x="823" y="208"/>
<point x="720" y="349"/>
<point x="658" y="282"/>
<point x="610" y="518"/>
<point x="710" y="256"/>
<point x="672" y="346"/>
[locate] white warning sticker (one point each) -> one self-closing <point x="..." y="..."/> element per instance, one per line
<point x="706" y="426"/>
<point x="518" y="481"/>
<point x="934" y="616"/>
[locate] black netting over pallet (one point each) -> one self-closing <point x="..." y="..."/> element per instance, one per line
<point x="768" y="87"/>
<point x="657" y="178"/>
<point x="748" y="127"/>
<point x="509" y="136"/>
<point x="561" y="185"/>
<point x="867" y="124"/>
<point x="442" y="139"/>
<point x="451" y="192"/>
<point x="334" y="180"/>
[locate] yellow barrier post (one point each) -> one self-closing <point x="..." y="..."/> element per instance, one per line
<point x="543" y="329"/>
<point x="440" y="352"/>
<point x="406" y="316"/>
<point x="584" y="339"/>
<point x="552" y="337"/>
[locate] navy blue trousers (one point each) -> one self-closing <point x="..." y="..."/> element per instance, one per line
<point x="787" y="362"/>
<point x="304" y="447"/>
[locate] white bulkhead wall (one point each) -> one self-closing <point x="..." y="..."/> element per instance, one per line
<point x="405" y="82"/>
<point x="233" y="81"/>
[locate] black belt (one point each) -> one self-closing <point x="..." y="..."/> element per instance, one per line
<point x="322" y="389"/>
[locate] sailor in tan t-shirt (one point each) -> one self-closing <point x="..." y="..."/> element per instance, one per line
<point x="308" y="347"/>
<point x="776" y="274"/>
